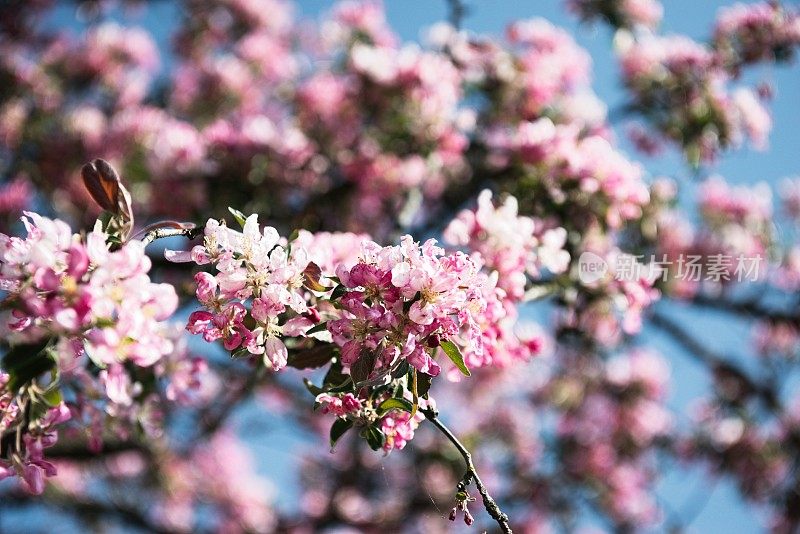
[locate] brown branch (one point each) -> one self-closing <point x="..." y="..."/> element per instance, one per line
<point x="83" y="507"/>
<point x="791" y="498"/>
<point x="750" y="308"/>
<point x="211" y="421"/>
<point x="80" y="451"/>
<point x="162" y="232"/>
<point x="472" y="474"/>
<point x="717" y="362"/>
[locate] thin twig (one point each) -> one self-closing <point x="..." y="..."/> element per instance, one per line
<point x="456" y="10"/>
<point x="488" y="502"/>
<point x="162" y="232"/>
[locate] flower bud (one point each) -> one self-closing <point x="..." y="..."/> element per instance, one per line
<point x="434" y="340"/>
<point x="468" y="519"/>
<point x="313" y="315"/>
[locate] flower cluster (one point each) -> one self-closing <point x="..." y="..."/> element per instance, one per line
<point x="790" y="196"/>
<point x="92" y="317"/>
<point x="37" y="433"/>
<point x="254" y="266"/>
<point x="778" y="340"/>
<point x="347" y="129"/>
<point x="122" y="60"/>
<point x="15" y="196"/>
<point x="622" y="410"/>
<point x="550" y="64"/>
<point x="747" y="207"/>
<point x="402" y="302"/>
<point x="393" y="312"/>
<point x="610" y="307"/>
<point x="135" y="400"/>
<point x="680" y="86"/>
<point x="512" y="245"/>
<point x="584" y="174"/>
<point x="395" y="424"/>
<point x="387" y="117"/>
<point x="220" y="475"/>
<point x="736" y="223"/>
<point x="762" y="31"/>
<point x="752" y="453"/>
<point x="62" y="286"/>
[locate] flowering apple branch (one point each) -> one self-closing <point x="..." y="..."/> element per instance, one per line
<point x="347" y="131"/>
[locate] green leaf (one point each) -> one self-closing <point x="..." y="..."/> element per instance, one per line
<point x="312" y="358"/>
<point x="23" y="363"/>
<point x="37" y="409"/>
<point x="338" y="429"/>
<point x="363" y="366"/>
<point x="334" y="377"/>
<point x="338" y="292"/>
<point x="455" y="355"/>
<point x="401" y="370"/>
<point x="346" y="387"/>
<point x="53" y="397"/>
<point x="105" y="218"/>
<point x="312" y="388"/>
<point x="317" y="328"/>
<point x="238" y="215"/>
<point x="375" y="438"/>
<point x="395" y="404"/>
<point x="241" y="353"/>
<point x="423" y="384"/>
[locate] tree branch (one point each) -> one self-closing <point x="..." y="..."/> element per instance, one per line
<point x="80" y="451"/>
<point x="456" y="11"/>
<point x="716" y="362"/>
<point x="488" y="502"/>
<point x="84" y="507"/>
<point x="160" y="232"/>
<point x="215" y="416"/>
<point x="750" y="308"/>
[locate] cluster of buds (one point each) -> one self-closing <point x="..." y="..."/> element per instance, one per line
<point x="463" y="498"/>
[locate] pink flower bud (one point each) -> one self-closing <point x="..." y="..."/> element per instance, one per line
<point x="434" y="340"/>
<point x="34" y="477"/>
<point x="468" y="519"/>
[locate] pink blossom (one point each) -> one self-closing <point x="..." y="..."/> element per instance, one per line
<point x="339" y="405"/>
